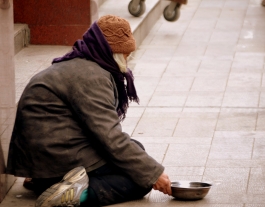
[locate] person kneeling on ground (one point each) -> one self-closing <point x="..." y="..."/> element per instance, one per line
<point x="67" y="135"/>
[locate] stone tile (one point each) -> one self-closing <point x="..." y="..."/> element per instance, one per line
<point x="175" y="140"/>
<point x="204" y="99"/>
<point x="211" y="4"/>
<point x="262" y="99"/>
<point x="145" y="89"/>
<point x="248" y="64"/>
<point x="135" y="203"/>
<point x="184" y="171"/>
<point x="219" y="205"/>
<point x="238" y="134"/>
<point x="197" y="110"/>
<point x="206" y="24"/>
<point x="244" y="82"/>
<point x="255" y="198"/>
<point x="191" y="128"/>
<point x="223" y="199"/>
<point x="254" y="47"/>
<point x="256" y="181"/>
<point x="203" y="13"/>
<point x="251" y="35"/>
<point x="234" y="9"/>
<point x="259" y="148"/>
<point x="128" y="125"/>
<point x="231" y="148"/>
<point x="168" y="98"/>
<point x="219" y="49"/>
<point x="168" y="29"/>
<point x="175" y="83"/>
<point x="186" y="155"/>
<point x="157" y="122"/>
<point x="149" y="68"/>
<point x="194" y="35"/>
<point x="209" y="83"/>
<point x="263" y="81"/>
<point x="185" y="64"/>
<point x="170" y="38"/>
<point x="18" y="196"/>
<point x="165" y="200"/>
<point x="260" y="126"/>
<point x="161" y="55"/>
<point x="156" y="150"/>
<point x="134" y="57"/>
<point x="161" y="112"/>
<point x="236" y="120"/>
<point x="241" y="99"/>
<point x="226" y="24"/>
<point x="6" y="134"/>
<point x="232" y="180"/>
<point x="213" y="163"/>
<point x="222" y="36"/>
<point x="196" y="178"/>
<point x="196" y="125"/>
<point x="189" y="49"/>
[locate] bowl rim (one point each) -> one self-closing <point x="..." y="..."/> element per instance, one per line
<point x="209" y="185"/>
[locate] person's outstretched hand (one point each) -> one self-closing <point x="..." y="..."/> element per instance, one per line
<point x="163" y="184"/>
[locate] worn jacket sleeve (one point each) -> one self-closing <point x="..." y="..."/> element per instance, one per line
<point x="92" y="98"/>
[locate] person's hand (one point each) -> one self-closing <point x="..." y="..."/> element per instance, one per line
<point x="163" y="184"/>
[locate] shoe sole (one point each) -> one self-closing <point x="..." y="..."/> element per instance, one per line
<point x="72" y="176"/>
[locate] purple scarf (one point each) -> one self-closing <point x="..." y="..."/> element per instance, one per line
<point x="95" y="47"/>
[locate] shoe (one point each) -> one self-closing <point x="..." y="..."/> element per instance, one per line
<point x="67" y="192"/>
<point x="28" y="184"/>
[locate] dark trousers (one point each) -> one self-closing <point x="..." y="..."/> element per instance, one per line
<point x="107" y="185"/>
<point x="111" y="186"/>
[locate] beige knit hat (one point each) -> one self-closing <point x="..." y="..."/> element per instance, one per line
<point x="118" y="33"/>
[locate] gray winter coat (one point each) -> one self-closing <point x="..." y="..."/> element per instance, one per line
<point x="67" y="117"/>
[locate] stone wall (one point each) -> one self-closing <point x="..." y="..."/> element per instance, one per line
<point x="59" y="22"/>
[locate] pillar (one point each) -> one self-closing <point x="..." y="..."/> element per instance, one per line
<point x="7" y="90"/>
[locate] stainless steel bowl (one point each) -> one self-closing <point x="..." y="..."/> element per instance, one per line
<point x="187" y="190"/>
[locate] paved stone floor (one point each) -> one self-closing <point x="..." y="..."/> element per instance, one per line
<point x="201" y="85"/>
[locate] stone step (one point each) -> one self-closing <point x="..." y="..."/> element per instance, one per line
<point x="140" y="25"/>
<point x="21" y="36"/>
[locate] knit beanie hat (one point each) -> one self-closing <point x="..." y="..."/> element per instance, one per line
<point x="118" y="33"/>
